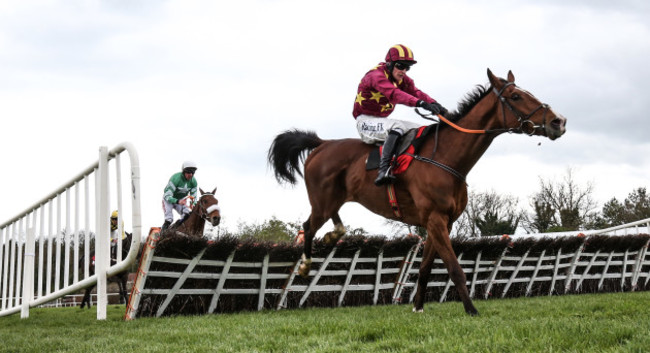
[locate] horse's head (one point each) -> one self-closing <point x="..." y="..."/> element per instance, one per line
<point x="209" y="207"/>
<point x="522" y="112"/>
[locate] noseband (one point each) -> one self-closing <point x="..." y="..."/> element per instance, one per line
<point x="526" y="126"/>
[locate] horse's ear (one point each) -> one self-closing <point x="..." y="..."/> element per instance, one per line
<point x="511" y="77"/>
<point x="494" y="81"/>
<point x="215" y="190"/>
<point x="201" y="190"/>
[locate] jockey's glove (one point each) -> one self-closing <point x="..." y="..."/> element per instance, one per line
<point x="434" y="107"/>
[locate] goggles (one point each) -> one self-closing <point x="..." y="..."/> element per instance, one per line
<point x="402" y="66"/>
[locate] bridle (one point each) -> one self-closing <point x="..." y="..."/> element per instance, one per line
<point x="526" y="126"/>
<point x="203" y="211"/>
<point x="524" y="120"/>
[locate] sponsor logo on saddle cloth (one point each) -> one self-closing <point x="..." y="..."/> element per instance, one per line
<point x="409" y="146"/>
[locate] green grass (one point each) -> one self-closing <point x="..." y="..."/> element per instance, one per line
<point x="617" y="322"/>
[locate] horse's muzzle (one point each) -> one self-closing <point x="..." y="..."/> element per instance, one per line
<point x="556" y="127"/>
<point x="215" y="220"/>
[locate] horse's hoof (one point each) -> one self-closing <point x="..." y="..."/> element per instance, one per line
<point x="303" y="271"/>
<point x="331" y="238"/>
<point x="305" y="267"/>
<point x="473" y="313"/>
<point x="418" y="311"/>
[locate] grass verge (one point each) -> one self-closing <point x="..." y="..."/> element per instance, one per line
<point x="617" y="322"/>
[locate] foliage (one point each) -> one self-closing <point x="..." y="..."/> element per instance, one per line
<point x="489" y="213"/>
<point x="635" y="207"/>
<point x="542" y="218"/>
<point x="491" y="224"/>
<point x="614" y="322"/>
<point x="272" y="230"/>
<point x="571" y="205"/>
<point x="356" y="231"/>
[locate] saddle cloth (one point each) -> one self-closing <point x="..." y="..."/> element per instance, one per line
<point x="409" y="145"/>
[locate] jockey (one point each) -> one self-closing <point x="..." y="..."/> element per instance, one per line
<point x="379" y="91"/>
<point x="115" y="230"/>
<point x="180" y="186"/>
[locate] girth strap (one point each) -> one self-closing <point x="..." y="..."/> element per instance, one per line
<point x="392" y="199"/>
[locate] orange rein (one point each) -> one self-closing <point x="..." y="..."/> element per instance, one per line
<point x="448" y="122"/>
<point x="461" y="129"/>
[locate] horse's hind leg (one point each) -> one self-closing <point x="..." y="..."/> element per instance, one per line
<point x="311" y="226"/>
<point x="332" y="237"/>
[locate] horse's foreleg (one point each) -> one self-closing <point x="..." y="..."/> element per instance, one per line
<point x="443" y="246"/>
<point x="122" y="285"/>
<point x="428" y="254"/>
<point x="86" y="298"/>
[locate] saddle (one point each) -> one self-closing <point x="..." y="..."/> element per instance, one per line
<point x="409" y="146"/>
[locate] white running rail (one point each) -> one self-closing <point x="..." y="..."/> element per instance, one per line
<point x="43" y="259"/>
<point x="638" y="227"/>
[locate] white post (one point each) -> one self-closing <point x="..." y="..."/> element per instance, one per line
<point x="120" y="216"/>
<point x="102" y="257"/>
<point x="28" y="274"/>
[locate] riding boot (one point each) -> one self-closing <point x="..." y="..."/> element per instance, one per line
<point x="165" y="226"/>
<point x="180" y="221"/>
<point x="384" y="175"/>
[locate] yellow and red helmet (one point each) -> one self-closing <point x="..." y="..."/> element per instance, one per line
<point x="400" y="52"/>
<point x="114" y="218"/>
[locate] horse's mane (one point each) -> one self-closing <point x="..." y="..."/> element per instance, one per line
<point x="469" y="101"/>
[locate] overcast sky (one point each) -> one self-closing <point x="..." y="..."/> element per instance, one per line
<point x="215" y="81"/>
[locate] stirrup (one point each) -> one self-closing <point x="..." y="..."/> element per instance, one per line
<point x="385" y="178"/>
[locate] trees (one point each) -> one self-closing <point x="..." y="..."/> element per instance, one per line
<point x="561" y="206"/>
<point x="542" y="218"/>
<point x="557" y="206"/>
<point x="273" y="230"/>
<point x="635" y="207"/>
<point x="489" y="213"/>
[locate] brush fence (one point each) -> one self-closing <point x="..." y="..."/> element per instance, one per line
<point x="179" y="276"/>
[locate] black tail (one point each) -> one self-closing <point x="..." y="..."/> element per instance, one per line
<point x="288" y="150"/>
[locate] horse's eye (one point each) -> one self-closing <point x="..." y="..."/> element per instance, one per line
<point x="515" y="97"/>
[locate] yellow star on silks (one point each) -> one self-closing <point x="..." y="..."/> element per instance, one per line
<point x="386" y="107"/>
<point x="376" y="96"/>
<point x="359" y="98"/>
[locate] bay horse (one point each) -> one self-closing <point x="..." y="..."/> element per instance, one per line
<point x="432" y="192"/>
<point x="120" y="278"/>
<point x="206" y="210"/>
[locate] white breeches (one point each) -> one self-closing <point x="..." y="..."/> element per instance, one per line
<point x="169" y="207"/>
<point x="374" y="130"/>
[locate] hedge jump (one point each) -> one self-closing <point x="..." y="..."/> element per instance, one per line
<point x="182" y="276"/>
